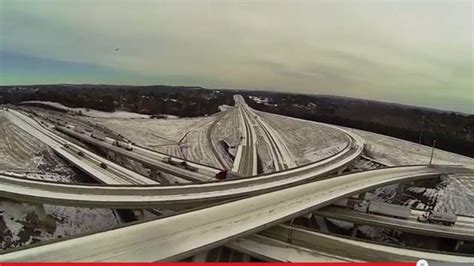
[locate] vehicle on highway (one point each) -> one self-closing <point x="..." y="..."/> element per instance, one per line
<point x="186" y="166"/>
<point x="183" y="164"/>
<point x="61" y="123"/>
<point x="70" y="126"/>
<point x="347" y="203"/>
<point x="125" y="145"/>
<point x="103" y="165"/>
<point x="80" y="153"/>
<point x="386" y="209"/>
<point x="79" y="130"/>
<point x="169" y="160"/>
<point x="225" y="174"/>
<point x="444" y="218"/>
<point x="98" y="136"/>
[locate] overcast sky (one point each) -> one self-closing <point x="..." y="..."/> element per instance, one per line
<point x="412" y="52"/>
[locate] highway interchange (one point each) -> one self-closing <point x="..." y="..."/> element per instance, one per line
<point x="250" y="204"/>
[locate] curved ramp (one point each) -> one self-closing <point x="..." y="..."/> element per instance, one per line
<point x="192" y="232"/>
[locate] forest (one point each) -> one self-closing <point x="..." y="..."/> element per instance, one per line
<point x="453" y="131"/>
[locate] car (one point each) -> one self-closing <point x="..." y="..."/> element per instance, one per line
<point x="434" y="217"/>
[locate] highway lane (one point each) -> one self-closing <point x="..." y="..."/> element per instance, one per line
<point x="224" y="160"/>
<point x="152" y="154"/>
<point x="189" y="233"/>
<point x="246" y="162"/>
<point x="147" y="158"/>
<point x="462" y="230"/>
<point x="249" y="151"/>
<point x="305" y="173"/>
<point x="186" y="195"/>
<point x="89" y="163"/>
<point x="281" y="156"/>
<point x="269" y="249"/>
<point x="356" y="250"/>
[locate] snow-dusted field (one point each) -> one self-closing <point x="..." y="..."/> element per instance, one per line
<point x="228" y="128"/>
<point x="23" y="155"/>
<point x="184" y="138"/>
<point x="307" y="141"/>
<point x="453" y="194"/>
<point x="393" y="151"/>
<point x="91" y="112"/>
<point x="18" y="150"/>
<point x="19" y="223"/>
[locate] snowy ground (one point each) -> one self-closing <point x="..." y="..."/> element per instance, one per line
<point x="228" y="128"/>
<point x="184" y="138"/>
<point x="393" y="151"/>
<point x="23" y="155"/>
<point x="19" y="223"/>
<point x="307" y="141"/>
<point x="18" y="151"/>
<point x="92" y="112"/>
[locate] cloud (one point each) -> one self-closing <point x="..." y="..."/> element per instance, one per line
<point x="369" y="49"/>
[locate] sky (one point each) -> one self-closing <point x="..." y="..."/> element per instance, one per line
<point x="416" y="52"/>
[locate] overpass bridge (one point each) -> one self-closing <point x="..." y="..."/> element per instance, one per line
<point x="245" y="162"/>
<point x="89" y="163"/>
<point x="192" y="232"/>
<point x="329" y="247"/>
<point x="462" y="230"/>
<point x="147" y="158"/>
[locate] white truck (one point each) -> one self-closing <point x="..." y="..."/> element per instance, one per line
<point x="79" y="130"/>
<point x="444" y="218"/>
<point x="402" y="212"/>
<point x="98" y="136"/>
<point x="340" y="203"/>
<point x="125" y="145"/>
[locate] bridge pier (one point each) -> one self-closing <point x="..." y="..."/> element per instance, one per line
<point x="43" y="217"/>
<point x="156" y="175"/>
<point x="200" y="257"/>
<point x="341" y="170"/>
<point x="459" y="243"/>
<point x="354" y="230"/>
<point x="140" y="214"/>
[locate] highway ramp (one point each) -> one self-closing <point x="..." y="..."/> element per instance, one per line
<point x="346" y="248"/>
<point x="189" y="233"/>
<point x="89" y="163"/>
<point x="462" y="230"/>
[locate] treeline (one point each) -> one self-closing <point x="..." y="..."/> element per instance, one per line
<point x="153" y="100"/>
<point x="453" y="131"/>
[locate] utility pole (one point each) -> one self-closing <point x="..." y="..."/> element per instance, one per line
<point x="432" y="151"/>
<point x="421" y="131"/>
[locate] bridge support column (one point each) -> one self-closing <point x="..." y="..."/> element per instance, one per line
<point x="40" y="211"/>
<point x="363" y="195"/>
<point x="354" y="230"/>
<point x="140" y="214"/>
<point x="459" y="243"/>
<point x="341" y="170"/>
<point x="43" y="217"/>
<point x="108" y="155"/>
<point x="201" y="257"/>
<point x="156" y="175"/>
<point x="120" y="159"/>
<point x="245" y="258"/>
